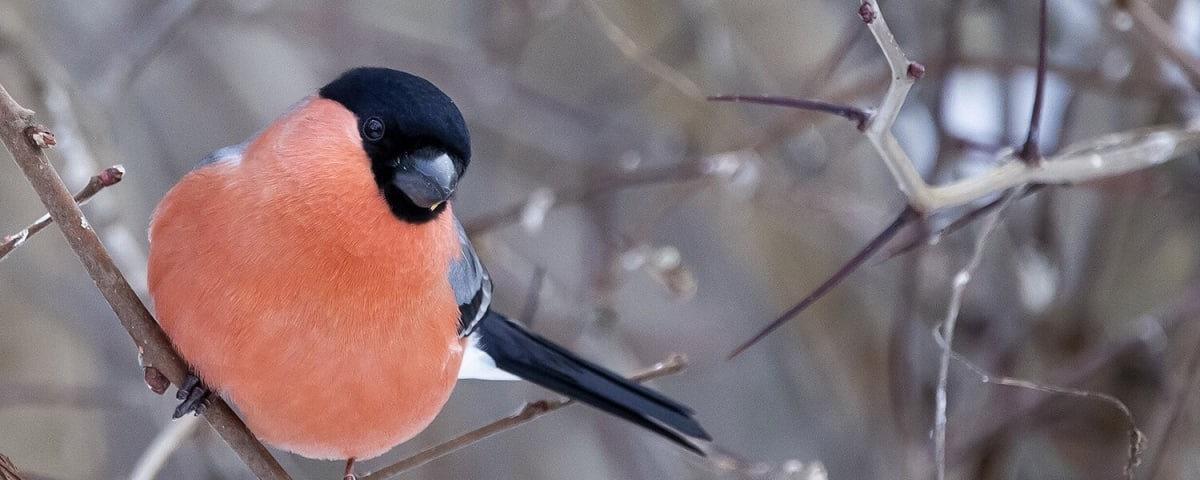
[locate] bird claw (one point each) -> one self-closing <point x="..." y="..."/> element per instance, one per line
<point x="194" y="395"/>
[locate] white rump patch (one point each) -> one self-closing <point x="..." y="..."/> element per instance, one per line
<point x="478" y="365"/>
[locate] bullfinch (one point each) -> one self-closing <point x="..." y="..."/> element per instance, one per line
<point x="316" y="276"/>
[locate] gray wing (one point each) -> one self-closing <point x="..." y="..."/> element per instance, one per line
<point x="471" y="283"/>
<point x="232" y="153"/>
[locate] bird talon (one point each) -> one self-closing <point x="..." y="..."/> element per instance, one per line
<point x="189" y="382"/>
<point x="194" y="395"/>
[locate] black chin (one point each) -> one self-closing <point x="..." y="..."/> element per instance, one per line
<point x="404" y="208"/>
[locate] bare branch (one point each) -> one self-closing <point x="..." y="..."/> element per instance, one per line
<point x="680" y="172"/>
<point x="8" y="471"/>
<point x="1101" y="157"/>
<point x="1184" y="308"/>
<point x="1163" y="38"/>
<point x="854" y="114"/>
<point x="905" y="216"/>
<point x="152" y="343"/>
<point x="1030" y="153"/>
<point x="106" y="178"/>
<point x="640" y="57"/>
<point x="1136" y="438"/>
<point x="958" y="287"/>
<point x="932" y="237"/>
<point x="674" y="363"/>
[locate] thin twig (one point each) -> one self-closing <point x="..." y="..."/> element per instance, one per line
<point x="164" y="444"/>
<point x="153" y="345"/>
<point x="1136" y="438"/>
<point x="958" y="287"/>
<point x="1030" y="152"/>
<point x="930" y="237"/>
<point x="1163" y="38"/>
<point x="640" y="57"/>
<point x="1184" y="308"/>
<point x="680" y="172"/>
<point x="854" y="114"/>
<point x="674" y="363"/>
<point x="905" y="216"/>
<point x="8" y="471"/>
<point x="106" y="178"/>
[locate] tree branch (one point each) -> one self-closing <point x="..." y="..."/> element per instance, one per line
<point x="1030" y="153"/>
<point x="640" y="57"/>
<point x="680" y="172"/>
<point x="155" y="349"/>
<point x="1101" y="157"/>
<point x="959" y="286"/>
<point x="864" y="254"/>
<point x="8" y="471"/>
<point x="854" y="114"/>
<point x="1136" y="438"/>
<point x="106" y="178"/>
<point x="1163" y="38"/>
<point x="674" y="363"/>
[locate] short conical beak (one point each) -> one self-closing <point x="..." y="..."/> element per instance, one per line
<point x="428" y="182"/>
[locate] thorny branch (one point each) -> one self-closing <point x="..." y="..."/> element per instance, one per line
<point x="1096" y="158"/>
<point x="674" y="363"/>
<point x="106" y="178"/>
<point x="1030" y="153"/>
<point x="20" y="134"/>
<point x="849" y="267"/>
<point x="1015" y="174"/>
<point x="854" y="114"/>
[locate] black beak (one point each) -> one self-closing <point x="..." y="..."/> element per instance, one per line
<point x="427" y="181"/>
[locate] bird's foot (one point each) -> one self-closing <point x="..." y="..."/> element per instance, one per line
<point x="349" y="473"/>
<point x="193" y="395"/>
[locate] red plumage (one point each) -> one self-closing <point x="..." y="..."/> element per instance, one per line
<point x="287" y="284"/>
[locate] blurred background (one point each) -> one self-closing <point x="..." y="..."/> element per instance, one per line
<point x="626" y="217"/>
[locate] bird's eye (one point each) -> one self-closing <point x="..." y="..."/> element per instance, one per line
<point x="372" y="129"/>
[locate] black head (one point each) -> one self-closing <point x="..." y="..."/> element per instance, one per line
<point x="413" y="133"/>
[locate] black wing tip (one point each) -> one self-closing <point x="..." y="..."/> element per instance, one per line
<point x="540" y="361"/>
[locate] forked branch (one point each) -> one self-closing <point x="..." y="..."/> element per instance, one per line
<point x="1096" y="158"/>
<point x="106" y="178"/>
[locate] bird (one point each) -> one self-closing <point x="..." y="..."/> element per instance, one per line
<point x="317" y="277"/>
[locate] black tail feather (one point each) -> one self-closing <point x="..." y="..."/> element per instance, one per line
<point x="533" y="358"/>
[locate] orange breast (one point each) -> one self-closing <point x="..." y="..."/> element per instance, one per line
<point x="290" y="288"/>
